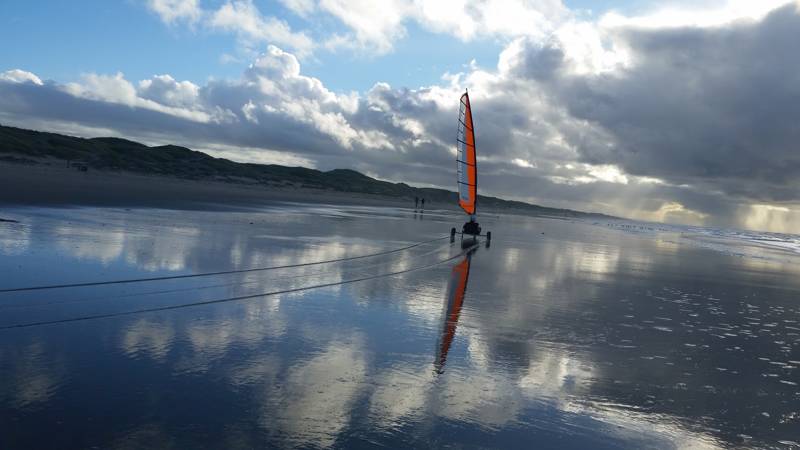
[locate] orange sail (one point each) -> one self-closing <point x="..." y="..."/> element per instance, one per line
<point x="455" y="299"/>
<point x="465" y="158"/>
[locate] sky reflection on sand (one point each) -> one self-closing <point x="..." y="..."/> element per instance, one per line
<point x="569" y="334"/>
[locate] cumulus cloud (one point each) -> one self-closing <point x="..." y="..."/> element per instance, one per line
<point x="245" y="20"/>
<point x="20" y="76"/>
<point x="300" y="7"/>
<point x="697" y="14"/>
<point x="373" y="24"/>
<point x="171" y="11"/>
<point x="116" y="89"/>
<point x="375" y="27"/>
<point x="468" y="20"/>
<point x="238" y="17"/>
<point x="165" y="90"/>
<point x="367" y="26"/>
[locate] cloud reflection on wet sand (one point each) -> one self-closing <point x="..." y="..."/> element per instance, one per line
<point x="581" y="333"/>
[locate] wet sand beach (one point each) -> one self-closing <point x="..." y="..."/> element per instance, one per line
<point x="321" y="326"/>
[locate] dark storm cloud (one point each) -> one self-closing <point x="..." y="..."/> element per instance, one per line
<point x="713" y="107"/>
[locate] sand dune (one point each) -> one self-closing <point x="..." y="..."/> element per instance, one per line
<point x="51" y="185"/>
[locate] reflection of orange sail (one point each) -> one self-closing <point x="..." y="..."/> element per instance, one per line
<point x="455" y="299"/>
<point x="465" y="158"/>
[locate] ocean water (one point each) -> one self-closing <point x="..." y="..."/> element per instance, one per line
<point x="317" y="326"/>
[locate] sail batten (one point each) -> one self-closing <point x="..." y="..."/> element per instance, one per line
<point x="466" y="161"/>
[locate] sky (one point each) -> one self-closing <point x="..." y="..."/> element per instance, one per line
<point x="674" y="111"/>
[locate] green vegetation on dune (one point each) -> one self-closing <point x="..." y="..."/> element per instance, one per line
<point x="114" y="154"/>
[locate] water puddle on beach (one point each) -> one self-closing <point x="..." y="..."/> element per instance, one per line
<point x="320" y="326"/>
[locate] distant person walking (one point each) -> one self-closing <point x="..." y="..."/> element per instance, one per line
<point x="423" y="202"/>
<point x="416" y="202"/>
